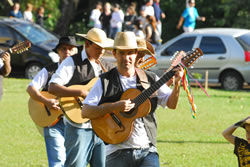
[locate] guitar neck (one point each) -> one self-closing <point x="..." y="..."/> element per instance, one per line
<point x="148" y="92"/>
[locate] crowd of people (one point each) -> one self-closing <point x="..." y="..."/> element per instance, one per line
<point x="28" y="13"/>
<point x="113" y="19"/>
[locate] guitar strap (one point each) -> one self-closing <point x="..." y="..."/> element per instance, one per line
<point x="102" y="66"/>
<point x="143" y="79"/>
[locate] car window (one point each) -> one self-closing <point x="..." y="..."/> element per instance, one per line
<point x="19" y="38"/>
<point x="5" y="35"/>
<point x="244" y="41"/>
<point x="185" y="44"/>
<point x="35" y="33"/>
<point x="212" y="45"/>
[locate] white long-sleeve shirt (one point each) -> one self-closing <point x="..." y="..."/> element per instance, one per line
<point x="117" y="19"/>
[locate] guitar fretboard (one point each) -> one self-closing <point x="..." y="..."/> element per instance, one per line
<point x="148" y="92"/>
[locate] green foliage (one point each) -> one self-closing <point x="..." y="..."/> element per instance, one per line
<point x="50" y="6"/>
<point x="182" y="141"/>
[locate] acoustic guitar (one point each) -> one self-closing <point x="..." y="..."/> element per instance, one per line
<point x="116" y="127"/>
<point x="72" y="106"/>
<point x="20" y="47"/>
<point x="40" y="113"/>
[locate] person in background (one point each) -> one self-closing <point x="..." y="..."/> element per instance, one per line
<point x="82" y="145"/>
<point x="142" y="17"/>
<point x="140" y="148"/>
<point x="148" y="8"/>
<point x="189" y="17"/>
<point x="116" y="21"/>
<point x="138" y="30"/>
<point x="106" y="17"/>
<point x="40" y="17"/>
<point x="16" y="11"/>
<point x="5" y="68"/>
<point x="95" y="15"/>
<point x="241" y="146"/>
<point x="53" y="135"/>
<point x="152" y="34"/>
<point x="27" y="14"/>
<point x="158" y="15"/>
<point x="129" y="19"/>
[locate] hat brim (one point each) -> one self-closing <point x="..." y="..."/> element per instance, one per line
<point x="65" y="43"/>
<point x="108" y="43"/>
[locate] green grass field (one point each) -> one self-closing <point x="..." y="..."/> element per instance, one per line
<point x="182" y="140"/>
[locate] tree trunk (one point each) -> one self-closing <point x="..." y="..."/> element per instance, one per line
<point x="68" y="12"/>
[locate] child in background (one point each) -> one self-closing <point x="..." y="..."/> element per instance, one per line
<point x="241" y="146"/>
<point x="27" y="15"/>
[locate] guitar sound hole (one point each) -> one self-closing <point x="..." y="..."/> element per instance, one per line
<point x="129" y="114"/>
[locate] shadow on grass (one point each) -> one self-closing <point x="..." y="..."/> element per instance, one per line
<point x="187" y="142"/>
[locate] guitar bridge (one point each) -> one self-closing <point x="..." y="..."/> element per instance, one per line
<point x="118" y="122"/>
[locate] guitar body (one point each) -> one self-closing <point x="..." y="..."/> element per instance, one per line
<point x="42" y="116"/>
<point x="108" y="129"/>
<point x="72" y="106"/>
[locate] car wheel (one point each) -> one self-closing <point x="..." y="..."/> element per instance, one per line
<point x="231" y="81"/>
<point x="32" y="69"/>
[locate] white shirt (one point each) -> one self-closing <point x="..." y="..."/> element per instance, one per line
<point x="95" y="15"/>
<point x="27" y="15"/>
<point x="117" y="19"/>
<point x="149" y="10"/>
<point x="139" y="33"/>
<point x="1" y="63"/>
<point x="138" y="138"/>
<point x="40" y="80"/>
<point x="65" y="72"/>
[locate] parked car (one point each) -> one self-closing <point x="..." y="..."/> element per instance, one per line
<point x="226" y="55"/>
<point x="13" y="31"/>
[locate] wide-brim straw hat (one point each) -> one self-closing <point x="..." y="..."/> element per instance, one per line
<point x="145" y="46"/>
<point x="67" y="40"/>
<point x="125" y="41"/>
<point x="98" y="37"/>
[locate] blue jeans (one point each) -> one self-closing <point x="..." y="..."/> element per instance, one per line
<point x="54" y="141"/>
<point x="83" y="147"/>
<point x="113" y="31"/>
<point x="133" y="158"/>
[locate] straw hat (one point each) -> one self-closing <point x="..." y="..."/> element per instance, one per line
<point x="125" y="40"/>
<point x="98" y="37"/>
<point x="145" y="46"/>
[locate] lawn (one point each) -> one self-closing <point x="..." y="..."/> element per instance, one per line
<point x="182" y="140"/>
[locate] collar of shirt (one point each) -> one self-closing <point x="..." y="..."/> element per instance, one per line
<point x="97" y="68"/>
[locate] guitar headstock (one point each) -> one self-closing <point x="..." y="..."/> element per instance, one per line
<point x="177" y="58"/>
<point x="147" y="63"/>
<point x="21" y="47"/>
<point x="191" y="57"/>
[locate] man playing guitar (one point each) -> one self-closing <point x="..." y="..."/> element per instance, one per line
<point x="54" y="134"/>
<point x="104" y="98"/>
<point x="83" y="146"/>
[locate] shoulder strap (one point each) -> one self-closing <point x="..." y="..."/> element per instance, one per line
<point x="142" y="78"/>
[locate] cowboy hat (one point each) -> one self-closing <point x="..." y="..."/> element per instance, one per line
<point x="124" y="41"/>
<point x="68" y="40"/>
<point x="145" y="46"/>
<point x="98" y="37"/>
